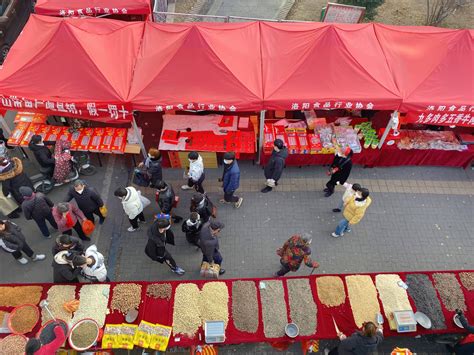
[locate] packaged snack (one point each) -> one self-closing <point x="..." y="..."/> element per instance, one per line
<point x="107" y="139"/>
<point x="33" y="129"/>
<point x="94" y="145"/>
<point x="85" y="139"/>
<point x="119" y="141"/>
<point x="18" y="133"/>
<point x="54" y="133"/>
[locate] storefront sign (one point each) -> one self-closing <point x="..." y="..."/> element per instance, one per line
<point x="348" y="105"/>
<point x="91" y="11"/>
<point x="195" y="106"/>
<point x="89" y="110"/>
<point x="343" y="13"/>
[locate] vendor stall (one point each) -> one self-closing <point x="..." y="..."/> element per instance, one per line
<point x="251" y="310"/>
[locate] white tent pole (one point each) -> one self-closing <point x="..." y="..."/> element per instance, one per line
<point x="139" y="138"/>
<point x="392" y="123"/>
<point x="261" y="135"/>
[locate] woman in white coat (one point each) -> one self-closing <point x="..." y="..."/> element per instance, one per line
<point x="132" y="205"/>
<point x="92" y="264"/>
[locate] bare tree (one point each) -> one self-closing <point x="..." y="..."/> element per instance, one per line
<point x="438" y="10"/>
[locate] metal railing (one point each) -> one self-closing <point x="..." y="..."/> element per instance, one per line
<point x="213" y="18"/>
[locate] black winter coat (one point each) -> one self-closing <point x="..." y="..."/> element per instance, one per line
<point x="358" y="344"/>
<point x="65" y="273"/>
<point x="156" y="245"/>
<point x="88" y="201"/>
<point x="208" y="242"/>
<point x="276" y="164"/>
<point x="204" y="210"/>
<point x="344" y="166"/>
<point x="38" y="207"/>
<point x="43" y="155"/>
<point x="76" y="247"/>
<point x="13" y="178"/>
<point x="166" y="200"/>
<point x="154" y="170"/>
<point x="13" y="238"/>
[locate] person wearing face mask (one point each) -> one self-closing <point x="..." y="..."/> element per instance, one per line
<point x="209" y="243"/>
<point x="231" y="180"/>
<point x="339" y="169"/>
<point x="351" y="190"/>
<point x="293" y="253"/>
<point x="159" y="235"/>
<point x="195" y="174"/>
<point x="88" y="200"/>
<point x="275" y="165"/>
<point x="354" y="211"/>
<point x="38" y="207"/>
<point x="153" y="167"/>
<point x="132" y="206"/>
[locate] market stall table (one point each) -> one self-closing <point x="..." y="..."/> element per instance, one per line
<point x="156" y="310"/>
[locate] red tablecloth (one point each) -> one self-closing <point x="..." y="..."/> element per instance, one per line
<point x="389" y="156"/>
<point x="161" y="311"/>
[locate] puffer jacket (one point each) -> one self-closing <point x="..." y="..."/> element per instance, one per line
<point x="13" y="239"/>
<point x="196" y="169"/>
<point x="37" y="206"/>
<point x="294" y="252"/>
<point x="63" y="271"/>
<point x="43" y="155"/>
<point x="166" y="199"/>
<point x="204" y="209"/>
<point x="354" y="212"/>
<point x="154" y="170"/>
<point x="98" y="271"/>
<point x="76" y="215"/>
<point x="88" y="201"/>
<point x="12" y="178"/>
<point x="156" y="245"/>
<point x="132" y="204"/>
<point x="231" y="177"/>
<point x="276" y="164"/>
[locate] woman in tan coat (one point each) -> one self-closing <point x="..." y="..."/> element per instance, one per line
<point x="354" y="211"/>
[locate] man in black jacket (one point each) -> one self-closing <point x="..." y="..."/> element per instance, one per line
<point x="210" y="244"/>
<point x="37" y="207"/>
<point x="68" y="243"/>
<point x="42" y="153"/>
<point x="160" y="234"/>
<point x="339" y="169"/>
<point x="63" y="269"/>
<point x="88" y="200"/>
<point x="275" y="165"/>
<point x="166" y="198"/>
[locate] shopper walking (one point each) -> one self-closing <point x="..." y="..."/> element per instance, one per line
<point x="88" y="200"/>
<point x="201" y="204"/>
<point x="354" y="211"/>
<point x="43" y="154"/>
<point x="293" y="253"/>
<point x="38" y="207"/>
<point x="191" y="228"/>
<point x="12" y="178"/>
<point x="166" y="200"/>
<point x="67" y="217"/>
<point x="132" y="205"/>
<point x="362" y="342"/>
<point x="14" y="242"/>
<point x="69" y="243"/>
<point x="92" y="264"/>
<point x="62" y="157"/>
<point x="195" y="174"/>
<point x="209" y="243"/>
<point x="152" y="165"/>
<point x="339" y="169"/>
<point x="63" y="268"/>
<point x="231" y="180"/>
<point x="275" y="165"/>
<point x="350" y="191"/>
<point x="159" y="235"/>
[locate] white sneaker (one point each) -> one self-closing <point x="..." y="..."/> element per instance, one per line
<point x="186" y="187"/>
<point x="336" y="235"/>
<point x="239" y="202"/>
<point x="131" y="229"/>
<point x="23" y="261"/>
<point x="48" y="237"/>
<point x="39" y="257"/>
<point x="179" y="271"/>
<point x="326" y="351"/>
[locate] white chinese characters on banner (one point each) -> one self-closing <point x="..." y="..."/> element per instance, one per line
<point x="90" y="109"/>
<point x="89" y="11"/>
<point x="197" y="106"/>
<point x="332" y="105"/>
<point x="450" y="108"/>
<point x="462" y="119"/>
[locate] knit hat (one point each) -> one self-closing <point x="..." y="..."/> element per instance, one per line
<point x="229" y="156"/>
<point x="63" y="207"/>
<point x="279" y="143"/>
<point x="25" y="191"/>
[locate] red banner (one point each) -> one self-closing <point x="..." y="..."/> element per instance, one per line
<point x="103" y="112"/>
<point x="464" y="119"/>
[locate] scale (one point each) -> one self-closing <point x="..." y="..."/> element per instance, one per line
<point x="405" y="321"/>
<point x="214" y="332"/>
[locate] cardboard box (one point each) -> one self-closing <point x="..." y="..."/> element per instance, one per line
<point x="94" y="145"/>
<point x="18" y="133"/>
<point x="32" y="130"/>
<point x="30" y="117"/>
<point x="314" y="143"/>
<point x="303" y="144"/>
<point x="269" y="138"/>
<point x="119" y="141"/>
<point x="293" y="146"/>
<point x="76" y="139"/>
<point x="43" y="130"/>
<point x="85" y="139"/>
<point x="53" y="134"/>
<point x="65" y="134"/>
<point x="107" y="139"/>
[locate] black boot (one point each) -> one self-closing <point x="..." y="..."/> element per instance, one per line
<point x="266" y="189"/>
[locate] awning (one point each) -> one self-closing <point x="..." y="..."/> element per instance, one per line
<point x="92" y="7"/>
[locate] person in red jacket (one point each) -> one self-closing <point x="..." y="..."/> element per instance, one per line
<point x="34" y="346"/>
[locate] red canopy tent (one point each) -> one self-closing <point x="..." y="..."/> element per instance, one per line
<point x="434" y="70"/>
<point x="92" y="7"/>
<point x="72" y="66"/>
<point x="316" y="65"/>
<point x="205" y="66"/>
